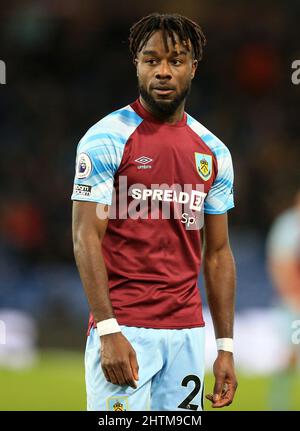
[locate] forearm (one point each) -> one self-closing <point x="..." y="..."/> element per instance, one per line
<point x="220" y="284"/>
<point x="93" y="274"/>
<point x="118" y="358"/>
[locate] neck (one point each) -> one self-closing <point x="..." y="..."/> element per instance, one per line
<point x="170" y="119"/>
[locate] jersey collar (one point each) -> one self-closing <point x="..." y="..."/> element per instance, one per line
<point x="146" y="115"/>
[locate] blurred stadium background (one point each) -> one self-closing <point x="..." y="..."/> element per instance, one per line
<point x="67" y="65"/>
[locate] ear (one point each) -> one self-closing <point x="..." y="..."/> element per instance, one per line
<point x="135" y="62"/>
<point x="194" y="68"/>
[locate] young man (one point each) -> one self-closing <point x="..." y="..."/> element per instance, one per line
<point x="140" y="266"/>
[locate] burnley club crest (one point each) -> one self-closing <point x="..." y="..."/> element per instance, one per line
<point x="204" y="165"/>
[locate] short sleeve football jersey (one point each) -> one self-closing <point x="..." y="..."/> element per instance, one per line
<point x="158" y="179"/>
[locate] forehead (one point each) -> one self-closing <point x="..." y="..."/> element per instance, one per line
<point x="156" y="43"/>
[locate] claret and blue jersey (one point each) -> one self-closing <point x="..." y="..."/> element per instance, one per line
<point x="133" y="162"/>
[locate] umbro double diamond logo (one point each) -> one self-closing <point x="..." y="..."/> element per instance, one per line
<point x="143" y="162"/>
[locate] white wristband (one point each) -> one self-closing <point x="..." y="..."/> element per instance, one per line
<point x="225" y="344"/>
<point x="108" y="326"/>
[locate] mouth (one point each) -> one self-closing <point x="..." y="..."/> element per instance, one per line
<point x="163" y="90"/>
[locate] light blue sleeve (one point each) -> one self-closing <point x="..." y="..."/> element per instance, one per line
<point x="220" y="196"/>
<point x="98" y="158"/>
<point x="99" y="155"/>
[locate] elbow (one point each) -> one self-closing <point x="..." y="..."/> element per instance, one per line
<point x="85" y="240"/>
<point x="80" y="240"/>
<point x="209" y="261"/>
<point x="217" y="259"/>
<point x="78" y="244"/>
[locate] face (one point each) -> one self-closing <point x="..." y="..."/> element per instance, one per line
<point x="164" y="77"/>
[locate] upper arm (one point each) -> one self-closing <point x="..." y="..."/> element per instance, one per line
<point x="89" y="221"/>
<point x="98" y="158"/>
<point x="215" y="232"/>
<point x="218" y="201"/>
<point x="99" y="155"/>
<point x="220" y="196"/>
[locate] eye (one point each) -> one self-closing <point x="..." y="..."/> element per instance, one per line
<point x="151" y="61"/>
<point x="176" y="62"/>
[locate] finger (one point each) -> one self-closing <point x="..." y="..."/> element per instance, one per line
<point x="119" y="375"/>
<point x="226" y="399"/>
<point x="112" y="376"/>
<point x="128" y="375"/>
<point x="217" y="404"/>
<point x="134" y="365"/>
<point x="222" y="403"/>
<point x="229" y="390"/>
<point x="229" y="395"/>
<point x="218" y="388"/>
<point x="126" y="379"/>
<point x="225" y="390"/>
<point x="106" y="375"/>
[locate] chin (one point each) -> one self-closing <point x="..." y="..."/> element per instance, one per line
<point x="163" y="101"/>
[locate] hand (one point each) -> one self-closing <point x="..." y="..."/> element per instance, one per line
<point x="225" y="380"/>
<point x="118" y="360"/>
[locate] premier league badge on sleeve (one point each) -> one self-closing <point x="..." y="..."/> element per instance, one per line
<point x="204" y="165"/>
<point x="84" y="166"/>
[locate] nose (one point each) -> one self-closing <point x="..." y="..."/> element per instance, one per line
<point x="163" y="71"/>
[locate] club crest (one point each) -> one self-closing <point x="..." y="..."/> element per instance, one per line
<point x="117" y="404"/>
<point x="204" y="165"/>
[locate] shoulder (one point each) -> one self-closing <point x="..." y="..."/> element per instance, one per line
<point x="217" y="147"/>
<point x="115" y="128"/>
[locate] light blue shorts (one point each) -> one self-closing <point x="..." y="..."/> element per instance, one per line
<point x="171" y="371"/>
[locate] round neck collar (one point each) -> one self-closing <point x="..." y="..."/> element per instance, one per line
<point x="144" y="113"/>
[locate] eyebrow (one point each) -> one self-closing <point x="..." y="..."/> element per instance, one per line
<point x="152" y="52"/>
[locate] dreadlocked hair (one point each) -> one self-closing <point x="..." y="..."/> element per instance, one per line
<point x="189" y="33"/>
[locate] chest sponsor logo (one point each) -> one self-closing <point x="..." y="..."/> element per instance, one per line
<point x="143" y="162"/>
<point x="204" y="165"/>
<point x="190" y="201"/>
<point x="193" y="200"/>
<point x="163" y="201"/>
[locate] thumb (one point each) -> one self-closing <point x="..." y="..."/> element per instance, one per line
<point x="134" y="366"/>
